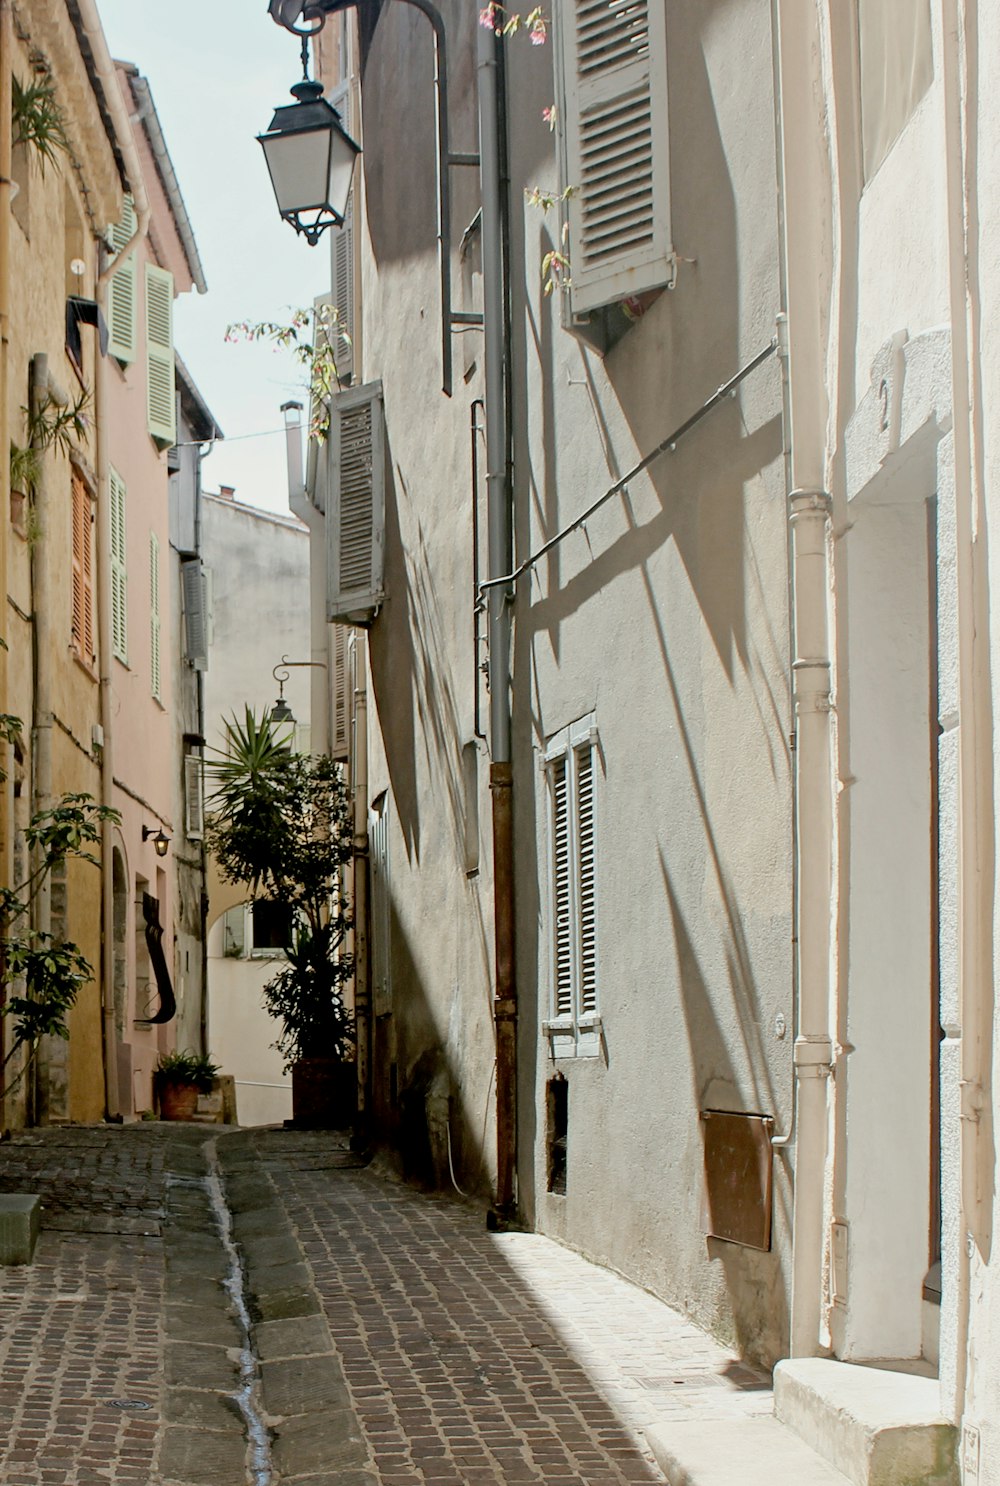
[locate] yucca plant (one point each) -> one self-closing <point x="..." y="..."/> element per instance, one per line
<point x="38" y="120"/>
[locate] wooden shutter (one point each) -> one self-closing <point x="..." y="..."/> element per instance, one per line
<point x="342" y="253"/>
<point x="82" y="624"/>
<point x="160" y="393"/>
<point x="356" y="505"/>
<point x="122" y="290"/>
<point x="154" y="614"/>
<point x="195" y="613"/>
<point x="613" y="56"/>
<point x="341" y="700"/>
<point x="586" y="872"/>
<point x="562" y="890"/>
<point x="194" y="797"/>
<point x="119" y="578"/>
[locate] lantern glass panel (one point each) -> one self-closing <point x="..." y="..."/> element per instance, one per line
<point x="300" y="169"/>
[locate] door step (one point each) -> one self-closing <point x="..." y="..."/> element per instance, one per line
<point x="874" y="1426"/>
<point x="737" y="1452"/>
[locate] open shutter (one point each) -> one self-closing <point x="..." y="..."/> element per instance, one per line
<point x="195" y="614"/>
<point x="562" y="945"/>
<point x="119" y="580"/>
<point x="194" y="797"/>
<point x="613" y="55"/>
<point x="342" y="253"/>
<point x="341" y="700"/>
<point x="160" y="394"/>
<point x="586" y="881"/>
<point x="82" y="616"/>
<point x="355" y="520"/>
<point x="154" y="614"/>
<point x="122" y="290"/>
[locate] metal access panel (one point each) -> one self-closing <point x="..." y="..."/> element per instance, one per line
<point x="739" y="1163"/>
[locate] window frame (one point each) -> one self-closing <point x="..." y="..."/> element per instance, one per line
<point x="578" y="1030"/>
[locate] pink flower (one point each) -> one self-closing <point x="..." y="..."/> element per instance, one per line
<point x="549" y="115"/>
<point x="488" y="17"/>
<point x="537" y="33"/>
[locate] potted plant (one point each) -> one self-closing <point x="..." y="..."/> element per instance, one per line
<point x="281" y="823"/>
<point x="180" y="1078"/>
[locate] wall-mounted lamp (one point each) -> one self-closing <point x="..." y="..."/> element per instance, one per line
<point x="160" y="839"/>
<point x="281" y="713"/>
<point x="311" y="159"/>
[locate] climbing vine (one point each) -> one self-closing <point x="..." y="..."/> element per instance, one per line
<point x="314" y="338"/>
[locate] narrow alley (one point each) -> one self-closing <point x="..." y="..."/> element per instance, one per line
<point x="392" y="1339"/>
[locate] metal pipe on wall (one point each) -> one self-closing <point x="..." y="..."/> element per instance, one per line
<point x="500" y="545"/>
<point x="6" y="154"/>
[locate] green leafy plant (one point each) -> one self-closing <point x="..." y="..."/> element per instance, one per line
<point x="281" y="823"/>
<point x="50" y="425"/>
<point x="314" y="339"/>
<point x="195" y="1069"/>
<point x="38" y="120"/>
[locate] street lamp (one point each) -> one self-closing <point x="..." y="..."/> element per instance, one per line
<point x="311" y="159"/>
<point x="160" y="839"/>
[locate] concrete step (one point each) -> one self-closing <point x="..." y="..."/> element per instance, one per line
<point x="737" y="1452"/>
<point x="20" y="1219"/>
<point x="875" y="1426"/>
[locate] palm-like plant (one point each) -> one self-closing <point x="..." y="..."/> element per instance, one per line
<point x="281" y="823"/>
<point x="38" y="120"/>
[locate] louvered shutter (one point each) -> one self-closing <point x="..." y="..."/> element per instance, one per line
<point x="119" y="579"/>
<point x="122" y="290"/>
<point x="341" y="700"/>
<point x="613" y="55"/>
<point x="342" y="253"/>
<point x="355" y="519"/>
<point x="154" y="614"/>
<point x="586" y="998"/>
<point x="562" y="894"/>
<point x="160" y="393"/>
<point x="194" y="797"/>
<point x="81" y="543"/>
<point x="195" y="613"/>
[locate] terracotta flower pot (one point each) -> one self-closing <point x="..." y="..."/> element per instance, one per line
<point x="178" y="1101"/>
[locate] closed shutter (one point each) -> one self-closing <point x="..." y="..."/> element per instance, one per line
<point x="82" y="622"/>
<point x="160" y="393"/>
<point x="122" y="290"/>
<point x="119" y="579"/>
<point x="562" y="978"/>
<point x="586" y="881"/>
<point x="342" y="254"/>
<point x="154" y="614"/>
<point x="341" y="700"/>
<point x="194" y="797"/>
<point x="613" y="55"/>
<point x="356" y="505"/>
<point x="195" y="614"/>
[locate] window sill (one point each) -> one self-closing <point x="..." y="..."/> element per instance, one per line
<point x="88" y="667"/>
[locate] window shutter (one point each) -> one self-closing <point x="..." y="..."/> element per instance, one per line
<point x="122" y="290"/>
<point x="194" y="797"/>
<point x="586" y="880"/>
<point x="119" y="579"/>
<point x="340" y="742"/>
<point x="356" y="505"/>
<point x="82" y="623"/>
<point x="614" y="63"/>
<point x="562" y="979"/>
<point x="160" y="393"/>
<point x="195" y="615"/>
<point x="342" y="252"/>
<point x="154" y="614"/>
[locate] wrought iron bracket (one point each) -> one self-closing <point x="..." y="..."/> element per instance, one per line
<point x="305" y="18"/>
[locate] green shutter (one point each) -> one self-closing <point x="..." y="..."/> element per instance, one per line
<point x="122" y="290"/>
<point x="119" y="581"/>
<point x="160" y="355"/>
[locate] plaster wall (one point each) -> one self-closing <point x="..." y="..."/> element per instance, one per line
<point x="263" y="1090"/>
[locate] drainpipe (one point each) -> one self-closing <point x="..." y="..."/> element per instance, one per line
<point x="362" y="959"/>
<point x="6" y="151"/>
<point x="500" y="537"/>
<point x="805" y="165"/>
<point x="976" y="816"/>
<point x="105" y="67"/>
<point x="41" y="666"/>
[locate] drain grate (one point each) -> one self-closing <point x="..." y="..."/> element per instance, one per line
<point x="129" y="1405"/>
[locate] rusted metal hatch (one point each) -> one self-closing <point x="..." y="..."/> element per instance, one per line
<point x="738" y="1168"/>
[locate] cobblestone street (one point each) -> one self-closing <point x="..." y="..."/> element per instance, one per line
<point x="387" y="1336"/>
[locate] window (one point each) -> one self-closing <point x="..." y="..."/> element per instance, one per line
<point x="160" y="386"/>
<point x="356" y="504"/>
<point x="119" y="579"/>
<point x="122" y="291"/>
<point x="256" y="930"/>
<point x="194" y="797"/>
<point x="613" y="63"/>
<point x="571" y="768"/>
<point x="154" y="615"/>
<point x="83" y="570"/>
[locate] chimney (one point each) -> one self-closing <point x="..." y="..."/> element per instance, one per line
<point x="227" y="491"/>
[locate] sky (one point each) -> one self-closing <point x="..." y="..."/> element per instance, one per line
<point x="217" y="71"/>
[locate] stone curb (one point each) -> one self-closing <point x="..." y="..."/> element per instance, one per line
<point x="316" y="1435"/>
